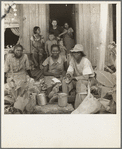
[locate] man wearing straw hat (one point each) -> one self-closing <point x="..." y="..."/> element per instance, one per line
<point x="79" y="73"/>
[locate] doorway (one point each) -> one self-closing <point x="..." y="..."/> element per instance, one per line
<point x="63" y="13"/>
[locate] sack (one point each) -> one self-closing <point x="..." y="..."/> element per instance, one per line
<point x="21" y="103"/>
<point x="105" y="103"/>
<point x="89" y="105"/>
<point x="31" y="104"/>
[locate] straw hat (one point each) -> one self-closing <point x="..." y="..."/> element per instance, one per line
<point x="77" y="48"/>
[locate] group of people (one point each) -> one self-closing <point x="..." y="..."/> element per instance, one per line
<point x="74" y="74"/>
<point x="61" y="36"/>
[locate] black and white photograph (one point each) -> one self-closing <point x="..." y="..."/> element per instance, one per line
<point x="60" y="58"/>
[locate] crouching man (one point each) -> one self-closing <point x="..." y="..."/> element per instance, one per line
<point x="79" y="72"/>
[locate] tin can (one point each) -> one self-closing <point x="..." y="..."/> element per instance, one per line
<point x="62" y="99"/>
<point x="41" y="99"/>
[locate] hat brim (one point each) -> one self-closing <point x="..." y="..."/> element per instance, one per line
<point x="74" y="51"/>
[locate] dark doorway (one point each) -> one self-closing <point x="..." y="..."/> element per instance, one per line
<point x="63" y="13"/>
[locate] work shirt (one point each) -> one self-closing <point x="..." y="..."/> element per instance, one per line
<point x="82" y="68"/>
<point x="55" y="67"/>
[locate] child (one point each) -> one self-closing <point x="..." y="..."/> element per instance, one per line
<point x="62" y="48"/>
<point x="37" y="42"/>
<point x="49" y="43"/>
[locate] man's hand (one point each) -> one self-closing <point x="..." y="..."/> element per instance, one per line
<point x="68" y="78"/>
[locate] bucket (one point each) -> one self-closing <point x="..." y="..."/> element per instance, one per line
<point x="41" y="99"/>
<point x="62" y="99"/>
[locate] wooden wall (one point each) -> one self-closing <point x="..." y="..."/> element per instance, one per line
<point x="87" y="26"/>
<point x="88" y="30"/>
<point x="32" y="15"/>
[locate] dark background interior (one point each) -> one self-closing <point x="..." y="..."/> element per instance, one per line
<point x="62" y="13"/>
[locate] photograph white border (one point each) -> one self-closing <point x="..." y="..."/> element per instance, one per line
<point x="61" y="131"/>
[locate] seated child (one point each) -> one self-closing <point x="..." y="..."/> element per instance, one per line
<point x="62" y="48"/>
<point x="49" y="43"/>
<point x="37" y="42"/>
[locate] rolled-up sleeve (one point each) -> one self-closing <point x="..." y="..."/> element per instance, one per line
<point x="71" y="68"/>
<point x="87" y="69"/>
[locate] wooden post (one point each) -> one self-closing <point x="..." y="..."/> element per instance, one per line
<point x="102" y="36"/>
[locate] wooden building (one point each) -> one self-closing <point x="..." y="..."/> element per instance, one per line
<point x="92" y="23"/>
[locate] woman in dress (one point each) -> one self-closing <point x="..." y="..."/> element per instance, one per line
<point x="68" y="37"/>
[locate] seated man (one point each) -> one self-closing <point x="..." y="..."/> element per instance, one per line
<point x="17" y="66"/>
<point x="79" y="72"/>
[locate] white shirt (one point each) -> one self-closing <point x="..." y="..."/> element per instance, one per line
<point x="82" y="68"/>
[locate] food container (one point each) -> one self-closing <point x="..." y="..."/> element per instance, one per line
<point x="62" y="99"/>
<point x="41" y="99"/>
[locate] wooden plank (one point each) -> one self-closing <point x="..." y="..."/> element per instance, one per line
<point x="86" y="32"/>
<point x="102" y="37"/>
<point x="26" y="28"/>
<point x="109" y="34"/>
<point x="32" y="21"/>
<point x="81" y="22"/>
<point x="94" y="38"/>
<point x="20" y="9"/>
<point x="77" y="24"/>
<point x="47" y="21"/>
<point x="37" y="17"/>
<point x="42" y="19"/>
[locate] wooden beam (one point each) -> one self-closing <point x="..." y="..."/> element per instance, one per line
<point x="102" y="36"/>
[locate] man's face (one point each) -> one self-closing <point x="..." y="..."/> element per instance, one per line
<point x="55" y="51"/>
<point x="18" y="52"/>
<point x="76" y="55"/>
<point x="54" y="22"/>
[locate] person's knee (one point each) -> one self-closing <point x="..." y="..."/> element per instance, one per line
<point x="80" y="87"/>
